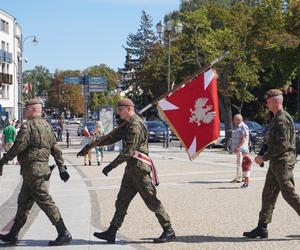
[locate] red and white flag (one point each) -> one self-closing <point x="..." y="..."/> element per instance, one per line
<point x="86" y="132"/>
<point x="192" y="112"/>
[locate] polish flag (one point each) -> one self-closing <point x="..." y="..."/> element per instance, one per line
<point x="86" y="132"/>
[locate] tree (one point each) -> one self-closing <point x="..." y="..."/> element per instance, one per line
<point x="63" y="96"/>
<point x="141" y="42"/>
<point x="40" y="78"/>
<point x="103" y="70"/>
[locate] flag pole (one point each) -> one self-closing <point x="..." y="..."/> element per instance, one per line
<point x="185" y="81"/>
<point x="98" y="142"/>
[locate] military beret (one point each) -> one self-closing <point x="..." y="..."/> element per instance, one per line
<point x="272" y="92"/>
<point x="125" y="102"/>
<point x="32" y="102"/>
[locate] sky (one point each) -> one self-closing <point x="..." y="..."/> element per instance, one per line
<point x="76" y="34"/>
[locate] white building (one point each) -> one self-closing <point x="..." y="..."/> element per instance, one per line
<point x="10" y="60"/>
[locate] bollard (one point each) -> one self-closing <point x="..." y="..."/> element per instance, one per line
<point x="68" y="138"/>
<point x="164" y="139"/>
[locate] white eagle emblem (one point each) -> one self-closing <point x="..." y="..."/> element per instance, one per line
<point x="202" y="112"/>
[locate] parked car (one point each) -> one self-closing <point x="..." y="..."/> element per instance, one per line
<point x="54" y="125"/>
<point x="220" y="142"/>
<point x="74" y="121"/>
<point x="157" y="130"/>
<point x="297" y="129"/>
<point x="255" y="128"/>
<point x="91" y="126"/>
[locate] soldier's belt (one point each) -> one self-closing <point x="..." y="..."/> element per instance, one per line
<point x="147" y="160"/>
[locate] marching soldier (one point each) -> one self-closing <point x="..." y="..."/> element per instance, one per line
<point x="34" y="143"/>
<point x="137" y="176"/>
<point x="281" y="154"/>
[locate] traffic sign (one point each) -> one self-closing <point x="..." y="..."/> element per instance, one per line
<point x="97" y="80"/>
<point x="97" y="87"/>
<point x="72" y="79"/>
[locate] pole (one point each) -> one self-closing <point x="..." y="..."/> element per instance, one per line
<point x="86" y="101"/>
<point x="93" y="144"/>
<point x="20" y="87"/>
<point x="298" y="85"/>
<point x="169" y="82"/>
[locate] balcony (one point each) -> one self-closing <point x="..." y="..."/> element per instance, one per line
<point x="6" y="78"/>
<point x="5" y="56"/>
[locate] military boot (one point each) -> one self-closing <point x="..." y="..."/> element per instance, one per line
<point x="12" y="236"/>
<point x="109" y="235"/>
<point x="167" y="235"/>
<point x="260" y="231"/>
<point x="64" y="237"/>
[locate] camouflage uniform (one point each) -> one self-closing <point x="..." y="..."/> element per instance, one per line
<point x="137" y="178"/>
<point x="34" y="144"/>
<point x="281" y="153"/>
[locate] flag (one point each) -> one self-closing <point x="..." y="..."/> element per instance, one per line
<point x="192" y="112"/>
<point x="86" y="132"/>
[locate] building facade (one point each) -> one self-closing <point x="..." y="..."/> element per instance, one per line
<point x="10" y="63"/>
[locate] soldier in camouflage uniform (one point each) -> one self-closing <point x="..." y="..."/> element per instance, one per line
<point x="137" y="178"/>
<point x="281" y="154"/>
<point x="34" y="143"/>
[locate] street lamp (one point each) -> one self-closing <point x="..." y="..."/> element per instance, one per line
<point x="170" y="29"/>
<point x="20" y="82"/>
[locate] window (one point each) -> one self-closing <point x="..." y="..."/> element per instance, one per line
<point x="4" y="90"/>
<point x="4" y="26"/>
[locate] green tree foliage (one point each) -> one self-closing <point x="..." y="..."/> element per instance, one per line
<point x="66" y="96"/>
<point x="40" y="79"/>
<point x="141" y="42"/>
<point x="261" y="36"/>
<point x="103" y="70"/>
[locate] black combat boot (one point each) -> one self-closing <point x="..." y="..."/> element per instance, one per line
<point x="64" y="237"/>
<point x="109" y="235"/>
<point x="90" y="163"/>
<point x="167" y="236"/>
<point x="260" y="231"/>
<point x="12" y="236"/>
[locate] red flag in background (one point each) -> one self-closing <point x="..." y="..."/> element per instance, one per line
<point x="86" y="132"/>
<point x="193" y="113"/>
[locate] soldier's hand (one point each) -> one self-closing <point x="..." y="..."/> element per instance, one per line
<point x="64" y="175"/>
<point x="107" y="169"/>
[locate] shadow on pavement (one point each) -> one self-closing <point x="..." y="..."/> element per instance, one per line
<point x="225" y="188"/>
<point x="203" y="239"/>
<point x="293" y="236"/>
<point x="39" y="243"/>
<point x="207" y="182"/>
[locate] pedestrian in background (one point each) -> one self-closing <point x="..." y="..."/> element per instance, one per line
<point x="240" y="141"/>
<point x="60" y="128"/>
<point x="246" y="167"/>
<point x="86" y="140"/>
<point x="9" y="135"/>
<point x="99" y="149"/>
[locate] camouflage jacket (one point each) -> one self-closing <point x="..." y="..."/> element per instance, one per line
<point x="134" y="136"/>
<point x="281" y="140"/>
<point x="33" y="145"/>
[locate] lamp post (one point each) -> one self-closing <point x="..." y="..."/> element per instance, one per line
<point x="20" y="78"/>
<point x="171" y="29"/>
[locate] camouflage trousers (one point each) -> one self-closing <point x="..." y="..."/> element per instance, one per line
<point x="34" y="189"/>
<point x="279" y="178"/>
<point x="136" y="180"/>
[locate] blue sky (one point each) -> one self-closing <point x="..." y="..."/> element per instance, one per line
<point x="75" y="34"/>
